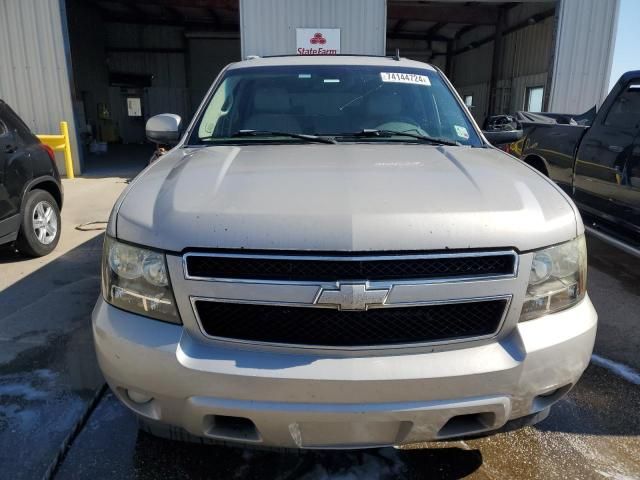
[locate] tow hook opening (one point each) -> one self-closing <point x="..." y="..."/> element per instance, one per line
<point x="232" y="428"/>
<point x="467" y="424"/>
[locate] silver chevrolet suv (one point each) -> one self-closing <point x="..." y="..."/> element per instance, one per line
<point x="332" y="255"/>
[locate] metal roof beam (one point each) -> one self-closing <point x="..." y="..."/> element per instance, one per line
<point x="468" y="15"/>
<point x="221" y="4"/>
<point x="416" y="36"/>
<point x="514" y="28"/>
<point x="399" y="25"/>
<point x="539" y="17"/>
<point x="464" y="31"/>
<point x="434" y="29"/>
<point x="194" y="23"/>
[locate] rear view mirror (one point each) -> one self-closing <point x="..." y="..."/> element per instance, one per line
<point x="502" y="137"/>
<point x="164" y="129"/>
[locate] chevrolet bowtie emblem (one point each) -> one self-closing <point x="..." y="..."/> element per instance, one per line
<point x="352" y="296"/>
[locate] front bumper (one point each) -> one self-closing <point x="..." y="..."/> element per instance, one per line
<point x="311" y="400"/>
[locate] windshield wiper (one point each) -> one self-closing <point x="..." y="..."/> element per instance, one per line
<point x="273" y="133"/>
<point x="373" y="132"/>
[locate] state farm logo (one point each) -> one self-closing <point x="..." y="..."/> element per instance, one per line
<point x="318" y="39"/>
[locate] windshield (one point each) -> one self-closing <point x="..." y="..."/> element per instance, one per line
<point x="341" y="102"/>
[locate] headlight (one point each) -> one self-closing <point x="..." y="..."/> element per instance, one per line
<point x="558" y="279"/>
<point x="136" y="279"/>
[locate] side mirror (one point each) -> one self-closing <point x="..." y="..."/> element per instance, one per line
<point x="502" y="137"/>
<point x="164" y="129"/>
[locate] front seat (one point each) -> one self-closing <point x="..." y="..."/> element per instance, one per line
<point x="272" y="111"/>
<point x="386" y="108"/>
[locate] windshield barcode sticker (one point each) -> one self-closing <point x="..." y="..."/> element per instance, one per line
<point x="412" y="78"/>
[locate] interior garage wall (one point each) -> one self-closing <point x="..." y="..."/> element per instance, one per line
<point x="207" y="56"/>
<point x="471" y="74"/>
<point x="34" y="68"/>
<point x="269" y="27"/>
<point x="526" y="58"/>
<point x="181" y="63"/>
<point x="419" y="50"/>
<point x="155" y="50"/>
<point x="87" y="36"/>
<point x="584" y="52"/>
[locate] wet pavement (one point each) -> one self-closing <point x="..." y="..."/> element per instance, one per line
<point x="48" y="370"/>
<point x="48" y="377"/>
<point x="594" y="433"/>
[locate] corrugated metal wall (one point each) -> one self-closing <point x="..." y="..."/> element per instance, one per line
<point x="584" y="53"/>
<point x="518" y="87"/>
<point x="182" y="63"/>
<point x="480" y="94"/>
<point x="269" y="27"/>
<point x="34" y="63"/>
<point x="136" y="35"/>
<point x="207" y="56"/>
<point x="527" y="54"/>
<point x="168" y="91"/>
<point x="87" y="37"/>
<point x="528" y="51"/>
<point x="420" y="50"/>
<point x="34" y="74"/>
<point x="474" y="66"/>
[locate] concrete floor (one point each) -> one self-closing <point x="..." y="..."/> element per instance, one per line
<point x="48" y="377"/>
<point x="48" y="371"/>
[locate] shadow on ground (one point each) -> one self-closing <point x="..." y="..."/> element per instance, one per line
<point x="48" y="374"/>
<point x="124" y="161"/>
<point x="596" y="407"/>
<point x="111" y="447"/>
<point x="48" y="370"/>
<point x="584" y="423"/>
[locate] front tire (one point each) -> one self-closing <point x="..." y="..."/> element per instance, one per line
<point x="41" y="225"/>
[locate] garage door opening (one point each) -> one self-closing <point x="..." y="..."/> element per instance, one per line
<point x="498" y="55"/>
<point x="133" y="59"/>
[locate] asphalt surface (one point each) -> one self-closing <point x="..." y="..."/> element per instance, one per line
<point x="48" y="378"/>
<point x="48" y="371"/>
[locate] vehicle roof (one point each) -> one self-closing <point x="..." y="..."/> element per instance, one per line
<point x="628" y="75"/>
<point x="354" y="60"/>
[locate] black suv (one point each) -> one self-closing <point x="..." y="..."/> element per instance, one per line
<point x="30" y="188"/>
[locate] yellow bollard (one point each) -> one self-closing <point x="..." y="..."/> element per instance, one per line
<point x="68" y="161"/>
<point x="61" y="142"/>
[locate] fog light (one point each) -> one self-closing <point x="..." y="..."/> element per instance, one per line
<point x="138" y="397"/>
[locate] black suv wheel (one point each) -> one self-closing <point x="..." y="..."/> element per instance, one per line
<point x="41" y="224"/>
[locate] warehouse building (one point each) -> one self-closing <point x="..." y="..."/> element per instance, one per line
<point x="105" y="66"/>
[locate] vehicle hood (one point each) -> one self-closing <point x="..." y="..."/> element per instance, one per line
<point x="351" y="197"/>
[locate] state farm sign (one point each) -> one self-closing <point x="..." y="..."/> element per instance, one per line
<point x="317" y="41"/>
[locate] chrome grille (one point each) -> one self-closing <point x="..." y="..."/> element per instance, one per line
<point x="354" y="300"/>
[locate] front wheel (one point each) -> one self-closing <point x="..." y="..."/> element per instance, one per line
<point x="41" y="225"/>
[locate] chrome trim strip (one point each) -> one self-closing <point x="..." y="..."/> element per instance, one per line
<point x="625" y="247"/>
<point x="304" y="256"/>
<point x="514" y="274"/>
<point x="372" y="283"/>
<point x="508" y="298"/>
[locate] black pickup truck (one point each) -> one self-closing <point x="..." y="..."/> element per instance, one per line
<point x="595" y="160"/>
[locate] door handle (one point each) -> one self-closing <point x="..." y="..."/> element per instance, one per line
<point x="615" y="148"/>
<point x="10" y="148"/>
